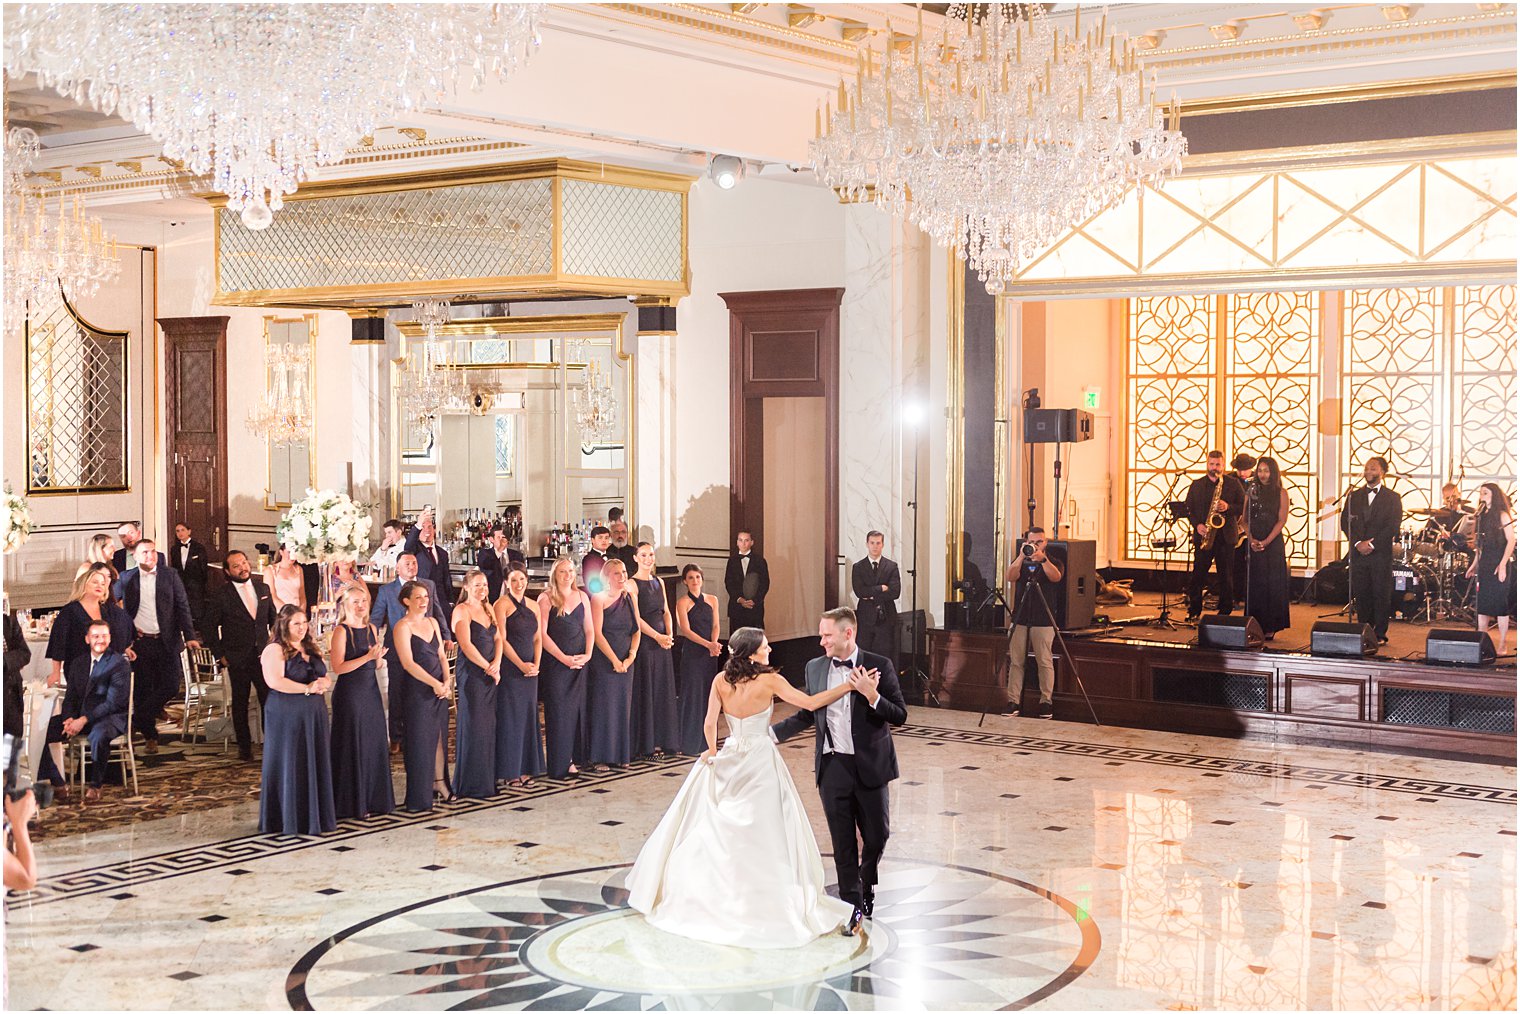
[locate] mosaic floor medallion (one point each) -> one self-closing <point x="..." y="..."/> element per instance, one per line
<point x="944" y="937"/>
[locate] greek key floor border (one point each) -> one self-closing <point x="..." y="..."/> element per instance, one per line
<point x="233" y="852"/>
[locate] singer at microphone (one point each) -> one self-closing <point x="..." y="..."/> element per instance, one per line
<point x="1371" y="522"/>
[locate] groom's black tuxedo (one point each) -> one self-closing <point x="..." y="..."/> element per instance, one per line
<point x="853" y="786"/>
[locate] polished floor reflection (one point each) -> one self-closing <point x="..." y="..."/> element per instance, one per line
<point x="1031" y="864"/>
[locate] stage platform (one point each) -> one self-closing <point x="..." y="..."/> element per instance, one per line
<point x="1144" y="677"/>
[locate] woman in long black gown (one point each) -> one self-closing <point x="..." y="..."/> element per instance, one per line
<point x="609" y="690"/>
<point x="654" y="674"/>
<point x="1494" y="566"/>
<point x="361" y="759"/>
<point x="564" y="624"/>
<point x="1268" y="515"/>
<point x="425" y="699"/>
<point x="519" y="744"/>
<point x="697" y="620"/>
<point x="479" y="676"/>
<point x="296" y="795"/>
<point x="89" y="600"/>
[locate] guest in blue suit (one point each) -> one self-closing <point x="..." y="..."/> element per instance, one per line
<point x="387" y="612"/>
<point x="95" y="704"/>
<point x="432" y="559"/>
<point x="155" y="599"/>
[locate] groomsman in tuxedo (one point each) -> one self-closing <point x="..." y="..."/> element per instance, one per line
<point x="188" y="557"/>
<point x="1370" y="520"/>
<point x="386" y="611"/>
<point x="621" y="548"/>
<point x="596" y="557"/>
<point x="432" y="559"/>
<point x="747" y="580"/>
<point x="155" y="599"/>
<point x="877" y="587"/>
<point x="239" y="616"/>
<point x="495" y="561"/>
<point x="99" y="687"/>
<point x="854" y="759"/>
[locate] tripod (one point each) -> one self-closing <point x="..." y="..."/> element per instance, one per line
<point x="1034" y="586"/>
<point x="920" y="678"/>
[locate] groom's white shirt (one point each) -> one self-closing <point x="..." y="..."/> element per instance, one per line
<point x="840" y="715"/>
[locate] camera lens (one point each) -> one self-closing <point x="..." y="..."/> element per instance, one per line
<point x="1027" y="549"/>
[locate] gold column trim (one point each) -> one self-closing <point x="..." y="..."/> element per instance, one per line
<point x="955" y="435"/>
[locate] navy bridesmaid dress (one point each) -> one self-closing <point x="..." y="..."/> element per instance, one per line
<point x="563" y="690"/>
<point x="654" y="679"/>
<point x="694" y="678"/>
<point x="519" y="749"/>
<point x="475" y="758"/>
<point x="361" y="758"/>
<point x="609" y="694"/>
<point x="426" y="729"/>
<point x="297" y="795"/>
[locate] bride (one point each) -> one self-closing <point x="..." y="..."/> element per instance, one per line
<point x="734" y="861"/>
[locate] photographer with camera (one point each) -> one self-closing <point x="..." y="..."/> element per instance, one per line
<point x="1033" y="576"/>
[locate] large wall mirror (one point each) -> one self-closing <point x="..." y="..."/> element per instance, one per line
<point x="292" y="467"/>
<point x="544" y="424"/>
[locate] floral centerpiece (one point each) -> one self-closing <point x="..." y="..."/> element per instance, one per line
<point x="18" y="522"/>
<point x="325" y="527"/>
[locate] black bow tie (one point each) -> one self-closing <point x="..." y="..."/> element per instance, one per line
<point x="839" y="663"/>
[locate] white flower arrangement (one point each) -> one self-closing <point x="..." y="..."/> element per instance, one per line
<point x="18" y="522"/>
<point x="325" y="527"/>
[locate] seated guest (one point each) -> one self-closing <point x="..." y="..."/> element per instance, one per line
<point x="287" y="580"/>
<point x="99" y="550"/>
<point x="596" y="558"/>
<point x="89" y="601"/>
<point x="519" y="742"/>
<point x="391" y="544"/>
<point x="153" y="596"/>
<point x="427" y="685"/>
<point x="239" y="616"/>
<point x="495" y="559"/>
<point x="188" y="558"/>
<point x="361" y="760"/>
<point x="479" y="665"/>
<point x="609" y="675"/>
<point x="386" y="613"/>
<point x="297" y="795"/>
<point x="697" y="620"/>
<point x="95" y="705"/>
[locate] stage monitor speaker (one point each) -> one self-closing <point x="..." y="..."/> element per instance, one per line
<point x="1342" y="640"/>
<point x="1459" y="647"/>
<point x="957" y="615"/>
<point x="1075" y="596"/>
<point x="1230" y="633"/>
<point x="1057" y="426"/>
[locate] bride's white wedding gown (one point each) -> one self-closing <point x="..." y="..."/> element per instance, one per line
<point x="734" y="860"/>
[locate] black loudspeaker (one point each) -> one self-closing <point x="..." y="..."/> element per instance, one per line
<point x="1057" y="425"/>
<point x="957" y="615"/>
<point x="368" y="331"/>
<point x="1459" y="647"/>
<point x="1075" y="596"/>
<point x="1342" y="640"/>
<point x="1230" y="633"/>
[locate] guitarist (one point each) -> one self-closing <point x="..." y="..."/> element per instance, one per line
<point x="1215" y="501"/>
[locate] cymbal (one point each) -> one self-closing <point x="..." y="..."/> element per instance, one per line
<point x="1425" y="512"/>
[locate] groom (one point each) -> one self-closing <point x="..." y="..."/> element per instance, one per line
<point x="853" y="756"/>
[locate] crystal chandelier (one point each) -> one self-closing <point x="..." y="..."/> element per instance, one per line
<point x="595" y="406"/>
<point x="284" y="415"/>
<point x="1000" y="133"/>
<point x="258" y="95"/>
<point x="430" y="385"/>
<point x="43" y="248"/>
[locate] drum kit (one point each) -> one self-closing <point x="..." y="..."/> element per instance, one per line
<point x="1430" y="564"/>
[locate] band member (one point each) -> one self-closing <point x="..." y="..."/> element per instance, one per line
<point x="1267" y="513"/>
<point x="1214" y="503"/>
<point x="877" y="586"/>
<point x="1034" y="577"/>
<point x="1494" y="566"/>
<point x="1371" y="521"/>
<point x="1453" y="521"/>
<point x="1245" y="470"/>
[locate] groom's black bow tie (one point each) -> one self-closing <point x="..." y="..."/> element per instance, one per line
<point x="841" y="663"/>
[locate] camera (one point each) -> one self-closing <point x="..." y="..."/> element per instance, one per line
<point x="1028" y="550"/>
<point x="42" y="790"/>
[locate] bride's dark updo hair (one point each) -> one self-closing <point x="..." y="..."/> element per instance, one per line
<point x="742" y="645"/>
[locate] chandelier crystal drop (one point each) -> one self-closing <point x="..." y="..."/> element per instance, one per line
<point x="284" y="415"/>
<point x="44" y="247"/>
<point x="1000" y="133"/>
<point x="256" y="96"/>
<point x="595" y="406"/>
<point x="430" y="385"/>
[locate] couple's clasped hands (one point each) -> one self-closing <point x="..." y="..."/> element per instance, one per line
<point x="865" y="682"/>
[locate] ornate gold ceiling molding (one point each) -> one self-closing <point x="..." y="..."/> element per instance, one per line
<point x="1398" y="32"/>
<point x="1355" y="153"/>
<point x="738" y="28"/>
<point x="1350" y="93"/>
<point x="1242" y="53"/>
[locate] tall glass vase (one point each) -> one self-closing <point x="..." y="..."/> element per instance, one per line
<point x="325" y="615"/>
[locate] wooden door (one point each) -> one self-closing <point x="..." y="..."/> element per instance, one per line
<point x="195" y="382"/>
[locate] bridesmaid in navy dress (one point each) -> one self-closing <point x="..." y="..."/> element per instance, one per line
<point x="654" y="674"/>
<point x="519" y="746"/>
<point x="361" y="759"/>
<point x="424" y="695"/>
<point x="697" y="620"/>
<point x="564" y="624"/>
<point x="297" y="796"/>
<point x="609" y="691"/>
<point x="479" y="676"/>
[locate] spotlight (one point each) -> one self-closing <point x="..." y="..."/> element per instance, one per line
<point x="726" y="171"/>
<point x="913" y="413"/>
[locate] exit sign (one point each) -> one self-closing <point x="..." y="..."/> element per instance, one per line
<point x="1090" y="398"/>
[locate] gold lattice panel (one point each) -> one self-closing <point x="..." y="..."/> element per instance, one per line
<point x="622" y="232"/>
<point x="76" y="404"/>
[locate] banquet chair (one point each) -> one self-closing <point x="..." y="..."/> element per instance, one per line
<point x="205" y="691"/>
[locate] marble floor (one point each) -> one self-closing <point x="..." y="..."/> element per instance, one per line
<point x="1031" y="864"/>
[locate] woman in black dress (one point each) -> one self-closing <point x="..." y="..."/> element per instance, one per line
<point x="425" y="692"/>
<point x="297" y="793"/>
<point x="697" y="620"/>
<point x="519" y="743"/>
<point x="361" y="759"/>
<point x="1268" y="585"/>
<point x="89" y="601"/>
<point x="609" y="676"/>
<point x="479" y="676"/>
<point x="564" y="626"/>
<point x="1494" y="566"/>
<point x="654" y="673"/>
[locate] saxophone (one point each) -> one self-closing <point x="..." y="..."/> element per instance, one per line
<point x="1215" y="520"/>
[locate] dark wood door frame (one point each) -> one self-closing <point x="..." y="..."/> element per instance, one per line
<point x="783" y="343"/>
<point x="195" y="437"/>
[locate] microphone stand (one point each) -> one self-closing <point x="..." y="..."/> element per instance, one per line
<point x="1350" y="552"/>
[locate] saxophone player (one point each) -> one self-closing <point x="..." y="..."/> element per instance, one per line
<point x="1214" y="501"/>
